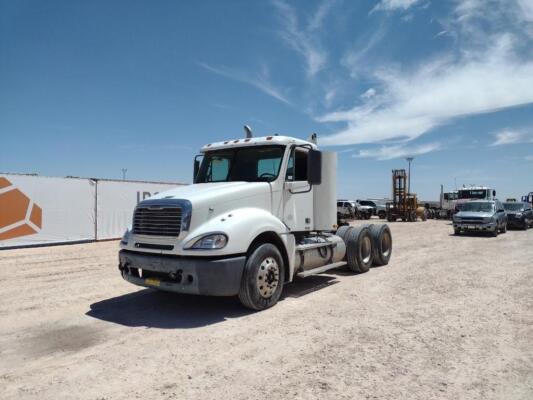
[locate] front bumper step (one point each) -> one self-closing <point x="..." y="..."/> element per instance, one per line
<point x="191" y="275"/>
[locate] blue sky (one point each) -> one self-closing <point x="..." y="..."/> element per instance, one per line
<point x="90" y="87"/>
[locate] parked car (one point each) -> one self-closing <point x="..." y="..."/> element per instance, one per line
<point x="368" y="204"/>
<point x="379" y="206"/>
<point x="519" y="214"/>
<point x="366" y="210"/>
<point x="481" y="216"/>
<point x="345" y="209"/>
<point x="352" y="209"/>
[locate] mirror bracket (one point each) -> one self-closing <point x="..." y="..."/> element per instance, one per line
<point x="196" y="167"/>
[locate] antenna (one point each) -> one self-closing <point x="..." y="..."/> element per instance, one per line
<point x="248" y="131"/>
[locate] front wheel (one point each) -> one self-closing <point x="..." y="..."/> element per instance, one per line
<point x="263" y="278"/>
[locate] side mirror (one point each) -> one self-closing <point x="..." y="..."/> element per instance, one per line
<point x="494" y="193"/>
<point x="314" y="167"/>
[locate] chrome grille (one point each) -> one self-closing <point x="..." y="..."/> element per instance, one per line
<point x="157" y="221"/>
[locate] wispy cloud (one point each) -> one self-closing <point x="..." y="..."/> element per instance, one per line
<point x="259" y="80"/>
<point x="303" y="40"/>
<point x="489" y="71"/>
<point x="391" y="5"/>
<point x="398" y="151"/>
<point x="508" y="136"/>
<point x="529" y="158"/>
<point x="356" y="58"/>
<point x="369" y="93"/>
<point x="317" y="19"/>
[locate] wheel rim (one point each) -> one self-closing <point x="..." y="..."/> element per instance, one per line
<point x="268" y="277"/>
<point x="385" y="244"/>
<point x="366" y="249"/>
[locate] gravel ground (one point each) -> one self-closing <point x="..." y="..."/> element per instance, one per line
<point x="449" y="318"/>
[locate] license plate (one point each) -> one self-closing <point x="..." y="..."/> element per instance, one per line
<point x="152" y="281"/>
<point x="471" y="227"/>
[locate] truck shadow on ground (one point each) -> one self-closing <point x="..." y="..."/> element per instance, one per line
<point x="165" y="310"/>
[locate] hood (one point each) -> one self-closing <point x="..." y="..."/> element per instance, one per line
<point x="216" y="193"/>
<point x="470" y="214"/>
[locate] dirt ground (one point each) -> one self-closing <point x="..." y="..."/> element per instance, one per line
<point x="449" y="318"/>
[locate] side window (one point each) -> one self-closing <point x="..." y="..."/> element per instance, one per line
<point x="297" y="166"/>
<point x="339" y="203"/>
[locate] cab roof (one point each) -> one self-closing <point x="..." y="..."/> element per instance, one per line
<point x="256" y="141"/>
<point x="474" y="188"/>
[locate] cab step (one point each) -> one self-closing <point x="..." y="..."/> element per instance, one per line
<point x="322" y="269"/>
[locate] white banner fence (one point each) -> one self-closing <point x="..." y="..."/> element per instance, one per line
<point x="37" y="210"/>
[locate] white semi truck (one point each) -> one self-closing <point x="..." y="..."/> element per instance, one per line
<point x="261" y="212"/>
<point x="467" y="193"/>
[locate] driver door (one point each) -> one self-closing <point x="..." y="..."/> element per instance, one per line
<point x="297" y="193"/>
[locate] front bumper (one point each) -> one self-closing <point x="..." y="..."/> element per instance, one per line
<point x="469" y="227"/>
<point x="191" y="275"/>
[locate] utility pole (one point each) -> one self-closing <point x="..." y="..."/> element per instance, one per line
<point x="124" y="170"/>
<point x="409" y="159"/>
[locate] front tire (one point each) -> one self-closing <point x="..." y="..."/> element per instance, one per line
<point x="263" y="278"/>
<point x="504" y="229"/>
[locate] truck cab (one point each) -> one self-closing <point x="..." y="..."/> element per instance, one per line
<point x="260" y="211"/>
<point x="466" y="194"/>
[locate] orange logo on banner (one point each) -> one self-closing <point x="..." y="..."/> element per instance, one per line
<point x="19" y="216"/>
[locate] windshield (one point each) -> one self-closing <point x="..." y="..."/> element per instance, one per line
<point x="473" y="194"/>
<point x="366" y="203"/>
<point x="250" y="164"/>
<point x="513" y="206"/>
<point x="477" y="206"/>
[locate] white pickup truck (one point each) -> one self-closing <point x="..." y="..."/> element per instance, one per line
<point x="261" y="211"/>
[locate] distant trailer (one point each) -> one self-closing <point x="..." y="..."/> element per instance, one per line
<point x="39" y="210"/>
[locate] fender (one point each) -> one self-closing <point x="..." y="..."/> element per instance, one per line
<point x="241" y="225"/>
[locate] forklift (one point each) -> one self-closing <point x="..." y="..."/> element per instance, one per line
<point x="404" y="205"/>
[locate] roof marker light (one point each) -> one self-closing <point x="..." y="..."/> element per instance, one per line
<point x="269" y="137"/>
<point x="236" y="141"/>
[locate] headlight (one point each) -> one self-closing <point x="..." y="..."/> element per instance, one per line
<point x="488" y="219"/>
<point x="209" y="242"/>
